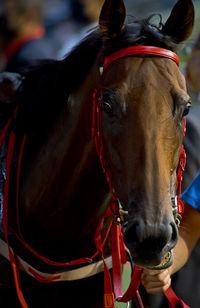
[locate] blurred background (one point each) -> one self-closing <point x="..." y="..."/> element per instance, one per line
<point x="48" y="29"/>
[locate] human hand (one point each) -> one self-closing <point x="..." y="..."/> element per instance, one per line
<point x="156" y="281"/>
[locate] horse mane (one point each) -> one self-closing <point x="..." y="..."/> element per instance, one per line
<point x="142" y="32"/>
<point x="46" y="86"/>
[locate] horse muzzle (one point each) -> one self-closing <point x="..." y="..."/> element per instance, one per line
<point x="151" y="244"/>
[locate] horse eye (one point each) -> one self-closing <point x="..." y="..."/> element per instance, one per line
<point x="107" y="108"/>
<point x="187" y="109"/>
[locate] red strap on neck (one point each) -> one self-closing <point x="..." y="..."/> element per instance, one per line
<point x="140" y="50"/>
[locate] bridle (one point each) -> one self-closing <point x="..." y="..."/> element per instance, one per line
<point x="114" y="211"/>
<point x="115" y="207"/>
<point x="177" y="205"/>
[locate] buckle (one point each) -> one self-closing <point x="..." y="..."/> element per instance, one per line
<point x="122" y="212"/>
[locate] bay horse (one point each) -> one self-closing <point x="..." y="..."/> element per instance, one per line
<point x="57" y="192"/>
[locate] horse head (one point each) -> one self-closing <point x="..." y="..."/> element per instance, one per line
<point x="144" y="100"/>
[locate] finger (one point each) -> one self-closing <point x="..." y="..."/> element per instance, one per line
<point x="153" y="283"/>
<point x="152" y="272"/>
<point x="154" y="290"/>
<point x="164" y="276"/>
<point x="159" y="277"/>
<point x="156" y="284"/>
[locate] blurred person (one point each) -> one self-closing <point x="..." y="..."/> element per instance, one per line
<point x="87" y="13"/>
<point x="24" y="35"/>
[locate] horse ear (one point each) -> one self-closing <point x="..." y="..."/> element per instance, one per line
<point x="180" y="23"/>
<point x="112" y="18"/>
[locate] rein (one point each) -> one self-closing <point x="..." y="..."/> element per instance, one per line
<point x="114" y="211"/>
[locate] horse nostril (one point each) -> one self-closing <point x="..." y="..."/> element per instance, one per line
<point x="174" y="236"/>
<point x="134" y="234"/>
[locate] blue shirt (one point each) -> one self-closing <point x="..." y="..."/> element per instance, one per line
<point x="192" y="194"/>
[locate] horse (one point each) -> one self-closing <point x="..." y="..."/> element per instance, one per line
<point x="57" y="192"/>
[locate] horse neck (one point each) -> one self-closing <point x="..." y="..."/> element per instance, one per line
<point x="67" y="191"/>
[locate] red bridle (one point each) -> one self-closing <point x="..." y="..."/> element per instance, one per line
<point x="115" y="208"/>
<point x="113" y="211"/>
<point x="97" y="115"/>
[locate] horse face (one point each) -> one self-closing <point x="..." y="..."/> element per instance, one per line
<point x="143" y="114"/>
<point x="144" y="101"/>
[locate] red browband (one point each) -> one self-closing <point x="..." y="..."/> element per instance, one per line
<point x="140" y="50"/>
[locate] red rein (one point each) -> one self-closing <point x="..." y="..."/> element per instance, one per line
<point x="117" y="243"/>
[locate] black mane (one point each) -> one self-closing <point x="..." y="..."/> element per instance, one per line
<point x="47" y="86"/>
<point x="142" y="32"/>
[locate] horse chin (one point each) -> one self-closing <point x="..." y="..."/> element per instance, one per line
<point x="167" y="262"/>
